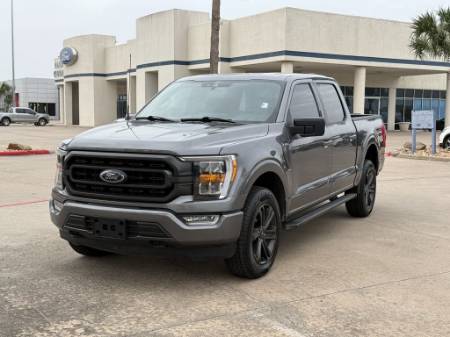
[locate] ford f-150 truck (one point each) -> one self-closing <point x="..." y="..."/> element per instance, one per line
<point x="24" y="115"/>
<point x="218" y="165"/>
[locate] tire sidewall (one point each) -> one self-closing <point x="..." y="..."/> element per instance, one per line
<point x="7" y="121"/>
<point x="42" y="122"/>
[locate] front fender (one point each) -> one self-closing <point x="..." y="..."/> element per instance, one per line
<point x="265" y="166"/>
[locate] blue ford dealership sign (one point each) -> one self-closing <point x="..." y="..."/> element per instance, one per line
<point x="68" y="56"/>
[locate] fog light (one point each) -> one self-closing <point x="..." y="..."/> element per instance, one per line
<point x="201" y="219"/>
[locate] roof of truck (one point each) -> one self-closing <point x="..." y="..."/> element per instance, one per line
<point x="254" y="76"/>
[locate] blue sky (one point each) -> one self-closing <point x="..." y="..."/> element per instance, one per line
<point x="41" y="25"/>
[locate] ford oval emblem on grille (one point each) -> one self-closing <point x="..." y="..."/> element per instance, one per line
<point x="113" y="176"/>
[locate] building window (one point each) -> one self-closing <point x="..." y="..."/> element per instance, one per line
<point x="44" y="108"/>
<point x="422" y="100"/>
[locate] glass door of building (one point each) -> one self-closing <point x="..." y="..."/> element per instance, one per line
<point x="372" y="105"/>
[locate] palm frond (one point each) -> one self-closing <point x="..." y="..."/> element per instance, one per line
<point x="431" y="35"/>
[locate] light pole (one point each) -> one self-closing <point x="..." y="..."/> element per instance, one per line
<point x="12" y="56"/>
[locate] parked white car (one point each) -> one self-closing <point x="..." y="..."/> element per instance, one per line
<point x="23" y="115"/>
<point x="444" y="138"/>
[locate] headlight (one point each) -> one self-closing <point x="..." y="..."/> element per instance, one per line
<point x="60" y="154"/>
<point x="213" y="175"/>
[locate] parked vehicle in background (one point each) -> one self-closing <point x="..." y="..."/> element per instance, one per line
<point x="444" y="138"/>
<point x="218" y="165"/>
<point x="24" y="115"/>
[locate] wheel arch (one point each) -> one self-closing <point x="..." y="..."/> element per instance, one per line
<point x="270" y="175"/>
<point x="372" y="154"/>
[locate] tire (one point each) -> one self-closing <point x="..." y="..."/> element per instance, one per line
<point x="363" y="204"/>
<point x="88" y="251"/>
<point x="258" y="243"/>
<point x="42" y="122"/>
<point x="6" y="121"/>
<point x="446" y="143"/>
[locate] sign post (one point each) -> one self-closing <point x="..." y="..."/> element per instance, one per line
<point x="423" y="120"/>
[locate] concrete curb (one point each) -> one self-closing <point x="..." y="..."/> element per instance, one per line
<point x="24" y="152"/>
<point x="430" y="158"/>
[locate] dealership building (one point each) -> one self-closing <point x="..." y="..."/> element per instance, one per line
<point x="370" y="58"/>
<point x="39" y="94"/>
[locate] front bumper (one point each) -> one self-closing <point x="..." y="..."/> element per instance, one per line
<point x="179" y="235"/>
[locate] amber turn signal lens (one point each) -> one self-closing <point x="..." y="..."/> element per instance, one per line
<point x="211" y="178"/>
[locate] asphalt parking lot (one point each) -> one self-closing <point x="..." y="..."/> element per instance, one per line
<point x="387" y="275"/>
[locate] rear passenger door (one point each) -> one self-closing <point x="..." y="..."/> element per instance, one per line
<point x="342" y="136"/>
<point x="19" y="115"/>
<point x="309" y="159"/>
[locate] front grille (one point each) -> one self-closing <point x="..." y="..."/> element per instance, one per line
<point x="148" y="178"/>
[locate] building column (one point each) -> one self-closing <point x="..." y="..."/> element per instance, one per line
<point x="62" y="115"/>
<point x="146" y="87"/>
<point x="391" y="107"/>
<point x="447" y="102"/>
<point x="287" y="67"/>
<point x="67" y="103"/>
<point x="359" y="90"/>
<point x="131" y="90"/>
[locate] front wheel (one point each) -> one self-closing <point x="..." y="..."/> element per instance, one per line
<point x="88" y="251"/>
<point x="363" y="204"/>
<point x="6" y="121"/>
<point x="258" y="243"/>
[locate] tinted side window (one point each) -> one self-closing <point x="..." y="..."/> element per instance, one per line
<point x="303" y="103"/>
<point x="331" y="102"/>
<point x="21" y="111"/>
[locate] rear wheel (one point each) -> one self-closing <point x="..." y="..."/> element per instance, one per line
<point x="258" y="243"/>
<point x="6" y="121"/>
<point x="447" y="142"/>
<point x="88" y="251"/>
<point x="366" y="190"/>
<point x="42" y="122"/>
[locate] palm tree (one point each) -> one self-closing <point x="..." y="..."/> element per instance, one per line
<point x="5" y="96"/>
<point x="215" y="37"/>
<point x="431" y="35"/>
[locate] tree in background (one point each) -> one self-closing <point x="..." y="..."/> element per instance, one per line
<point x="5" y="96"/>
<point x="431" y="35"/>
<point x="215" y="38"/>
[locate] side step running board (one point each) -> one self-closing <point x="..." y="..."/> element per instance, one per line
<point x="316" y="212"/>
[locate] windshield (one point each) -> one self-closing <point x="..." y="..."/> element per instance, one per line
<point x="236" y="100"/>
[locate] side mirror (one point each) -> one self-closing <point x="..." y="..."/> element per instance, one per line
<point x="308" y="127"/>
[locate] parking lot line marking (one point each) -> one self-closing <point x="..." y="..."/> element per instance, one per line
<point x="22" y="203"/>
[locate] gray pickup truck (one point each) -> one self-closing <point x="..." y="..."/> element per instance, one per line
<point x="218" y="165"/>
<point x="23" y="115"/>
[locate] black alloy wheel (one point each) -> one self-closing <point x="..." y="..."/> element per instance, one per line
<point x="264" y="234"/>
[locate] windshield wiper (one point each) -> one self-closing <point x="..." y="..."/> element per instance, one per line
<point x="208" y="119"/>
<point x="156" y="119"/>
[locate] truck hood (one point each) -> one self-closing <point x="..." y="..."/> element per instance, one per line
<point x="186" y="139"/>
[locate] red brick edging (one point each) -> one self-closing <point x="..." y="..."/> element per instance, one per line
<point x="24" y="152"/>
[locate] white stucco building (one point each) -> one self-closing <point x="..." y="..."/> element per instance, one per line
<point x="369" y="57"/>
<point x="39" y="94"/>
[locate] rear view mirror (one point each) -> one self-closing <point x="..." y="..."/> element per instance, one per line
<point x="308" y="127"/>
